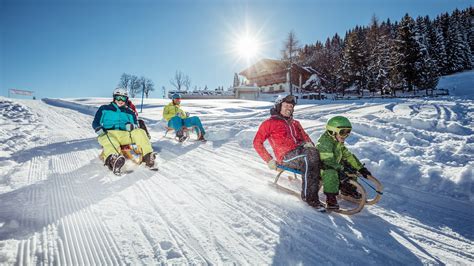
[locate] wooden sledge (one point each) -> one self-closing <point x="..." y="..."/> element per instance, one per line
<point x="349" y="206"/>
<point x="129" y="151"/>
<point x="186" y="132"/>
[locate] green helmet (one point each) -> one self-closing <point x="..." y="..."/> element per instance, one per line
<point x="339" y="125"/>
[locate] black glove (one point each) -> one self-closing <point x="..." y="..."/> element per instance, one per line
<point x="343" y="177"/>
<point x="100" y="131"/>
<point x="364" y="172"/>
<point x="129" y="126"/>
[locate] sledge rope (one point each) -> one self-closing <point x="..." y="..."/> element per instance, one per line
<point x="379" y="192"/>
<point x="107" y="134"/>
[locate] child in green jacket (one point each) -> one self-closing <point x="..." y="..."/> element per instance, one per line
<point x="334" y="156"/>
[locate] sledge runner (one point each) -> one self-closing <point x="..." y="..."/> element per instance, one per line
<point x="179" y="120"/>
<point x="292" y="147"/>
<point x="334" y="156"/>
<point x="116" y="124"/>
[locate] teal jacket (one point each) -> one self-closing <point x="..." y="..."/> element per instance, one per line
<point x="112" y="117"/>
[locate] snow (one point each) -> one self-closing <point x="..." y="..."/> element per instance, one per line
<point x="211" y="203"/>
<point x="459" y="84"/>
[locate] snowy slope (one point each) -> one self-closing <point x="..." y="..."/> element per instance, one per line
<point x="459" y="84"/>
<point x="211" y="203"/>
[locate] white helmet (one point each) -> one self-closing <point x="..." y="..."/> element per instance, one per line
<point x="121" y="92"/>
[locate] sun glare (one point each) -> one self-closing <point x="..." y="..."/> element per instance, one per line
<point x="247" y="47"/>
<point x="245" y="43"/>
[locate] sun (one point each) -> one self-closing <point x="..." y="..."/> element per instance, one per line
<point x="247" y="47"/>
<point x="246" y="43"/>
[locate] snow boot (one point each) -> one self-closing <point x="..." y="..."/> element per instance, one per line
<point x="201" y="138"/>
<point x="331" y="201"/>
<point x="149" y="159"/>
<point x="316" y="204"/>
<point x="180" y="135"/>
<point x="347" y="189"/>
<point x="115" y="162"/>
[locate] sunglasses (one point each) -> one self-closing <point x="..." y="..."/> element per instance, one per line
<point x="121" y="98"/>
<point x="344" y="132"/>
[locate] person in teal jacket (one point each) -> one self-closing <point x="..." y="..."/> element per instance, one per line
<point x="336" y="159"/>
<point x="116" y="124"/>
<point x="179" y="119"/>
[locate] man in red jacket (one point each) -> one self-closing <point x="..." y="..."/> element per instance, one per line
<point x="292" y="147"/>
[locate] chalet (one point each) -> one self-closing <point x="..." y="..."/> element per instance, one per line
<point x="272" y="76"/>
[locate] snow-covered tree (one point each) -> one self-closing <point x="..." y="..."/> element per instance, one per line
<point x="354" y="61"/>
<point x="236" y="80"/>
<point x="407" y="54"/>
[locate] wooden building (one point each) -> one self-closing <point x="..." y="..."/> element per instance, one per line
<point x="272" y="76"/>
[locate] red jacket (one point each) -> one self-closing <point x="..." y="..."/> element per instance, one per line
<point x="132" y="106"/>
<point x="283" y="135"/>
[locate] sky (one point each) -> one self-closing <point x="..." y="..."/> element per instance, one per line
<point x="80" y="48"/>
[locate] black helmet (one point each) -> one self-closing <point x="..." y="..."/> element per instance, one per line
<point x="287" y="98"/>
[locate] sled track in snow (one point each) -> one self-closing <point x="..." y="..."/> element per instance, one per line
<point x="71" y="232"/>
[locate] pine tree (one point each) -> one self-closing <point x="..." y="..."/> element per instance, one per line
<point x="353" y="62"/>
<point x="335" y="55"/>
<point x="468" y="16"/>
<point x="437" y="48"/>
<point x="466" y="22"/>
<point x="373" y="46"/>
<point x="458" y="48"/>
<point x="407" y="54"/>
<point x="380" y="59"/>
<point x="236" y="80"/>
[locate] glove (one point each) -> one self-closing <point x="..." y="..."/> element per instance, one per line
<point x="343" y="177"/>
<point x="272" y="164"/>
<point x="308" y="145"/>
<point x="364" y="172"/>
<point x="100" y="131"/>
<point x="129" y="127"/>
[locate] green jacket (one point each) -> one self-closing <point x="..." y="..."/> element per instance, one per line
<point x="172" y="110"/>
<point x="334" y="153"/>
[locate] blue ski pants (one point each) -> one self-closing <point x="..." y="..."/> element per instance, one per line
<point x="177" y="123"/>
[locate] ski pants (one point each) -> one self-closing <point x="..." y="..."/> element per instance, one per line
<point x="305" y="160"/>
<point x="330" y="180"/>
<point x="177" y="123"/>
<point x="112" y="140"/>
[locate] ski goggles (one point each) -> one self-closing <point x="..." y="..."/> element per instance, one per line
<point x="344" y="132"/>
<point x="120" y="98"/>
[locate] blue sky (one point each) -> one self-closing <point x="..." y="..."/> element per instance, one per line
<point x="80" y="48"/>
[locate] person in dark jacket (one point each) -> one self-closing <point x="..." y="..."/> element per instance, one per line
<point x="116" y="124"/>
<point x="141" y="122"/>
<point x="292" y="147"/>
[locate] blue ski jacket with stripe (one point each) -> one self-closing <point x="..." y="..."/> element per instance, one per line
<point x="113" y="117"/>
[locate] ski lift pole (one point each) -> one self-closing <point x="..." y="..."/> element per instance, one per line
<point x="143" y="93"/>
